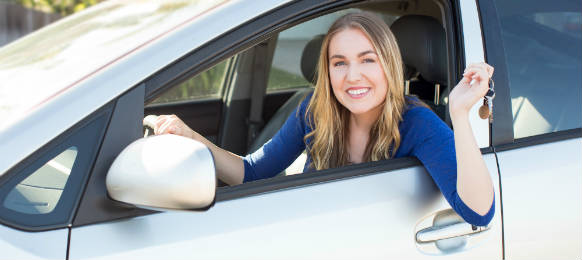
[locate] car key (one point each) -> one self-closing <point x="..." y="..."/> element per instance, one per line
<point x="485" y="111"/>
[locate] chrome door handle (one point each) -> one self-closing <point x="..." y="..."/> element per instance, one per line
<point x="433" y="234"/>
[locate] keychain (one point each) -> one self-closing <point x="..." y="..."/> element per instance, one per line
<point x="485" y="111"/>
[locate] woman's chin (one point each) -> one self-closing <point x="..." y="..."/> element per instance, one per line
<point x="360" y="110"/>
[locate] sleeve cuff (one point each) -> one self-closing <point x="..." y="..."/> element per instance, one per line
<point x="471" y="216"/>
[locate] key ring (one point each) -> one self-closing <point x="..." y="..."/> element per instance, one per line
<point x="491" y="92"/>
<point x="485" y="111"/>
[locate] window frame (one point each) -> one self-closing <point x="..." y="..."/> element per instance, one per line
<point x="195" y="60"/>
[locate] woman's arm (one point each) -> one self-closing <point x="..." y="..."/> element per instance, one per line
<point x="474" y="184"/>
<point x="229" y="166"/>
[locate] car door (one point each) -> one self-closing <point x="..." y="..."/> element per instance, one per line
<point x="373" y="210"/>
<point x="539" y="144"/>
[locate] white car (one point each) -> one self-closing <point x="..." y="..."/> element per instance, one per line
<point x="73" y="97"/>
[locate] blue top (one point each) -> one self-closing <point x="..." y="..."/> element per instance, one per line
<point x="423" y="135"/>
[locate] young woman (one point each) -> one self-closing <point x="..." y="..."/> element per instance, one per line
<point x="358" y="113"/>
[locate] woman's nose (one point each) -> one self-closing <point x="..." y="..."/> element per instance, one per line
<point x="354" y="73"/>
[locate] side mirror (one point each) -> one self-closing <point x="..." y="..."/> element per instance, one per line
<point x="164" y="172"/>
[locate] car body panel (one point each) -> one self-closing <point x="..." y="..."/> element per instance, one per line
<point x="17" y="244"/>
<point x="351" y="218"/>
<point x="542" y="212"/>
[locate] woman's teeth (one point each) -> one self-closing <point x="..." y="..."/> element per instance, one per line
<point x="358" y="91"/>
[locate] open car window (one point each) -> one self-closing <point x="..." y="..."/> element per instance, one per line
<point x="287" y="70"/>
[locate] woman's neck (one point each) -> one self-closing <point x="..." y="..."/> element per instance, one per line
<point x="359" y="133"/>
<point x="365" y="121"/>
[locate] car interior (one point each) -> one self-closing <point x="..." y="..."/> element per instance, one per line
<point x="253" y="92"/>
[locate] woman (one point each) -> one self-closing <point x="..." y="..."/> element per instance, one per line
<point x="358" y="113"/>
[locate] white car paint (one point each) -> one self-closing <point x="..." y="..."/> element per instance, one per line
<point x="308" y="222"/>
<point x="17" y="244"/>
<point x="541" y="198"/>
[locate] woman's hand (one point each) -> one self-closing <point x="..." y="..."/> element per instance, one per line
<point x="229" y="166"/>
<point x="171" y="124"/>
<point x="465" y="95"/>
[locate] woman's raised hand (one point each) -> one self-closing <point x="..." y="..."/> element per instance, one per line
<point x="465" y="94"/>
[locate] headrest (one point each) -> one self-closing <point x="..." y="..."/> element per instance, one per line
<point x="421" y="40"/>
<point x="310" y="56"/>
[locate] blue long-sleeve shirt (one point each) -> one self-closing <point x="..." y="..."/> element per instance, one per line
<point x="423" y="135"/>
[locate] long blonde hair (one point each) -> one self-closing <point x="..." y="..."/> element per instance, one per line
<point x="330" y="120"/>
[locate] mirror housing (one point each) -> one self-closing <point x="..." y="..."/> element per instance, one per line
<point x="164" y="172"/>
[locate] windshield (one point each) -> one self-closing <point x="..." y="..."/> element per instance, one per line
<point x="47" y="62"/>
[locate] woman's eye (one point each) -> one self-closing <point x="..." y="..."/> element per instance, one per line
<point x="368" y="60"/>
<point x="339" y="63"/>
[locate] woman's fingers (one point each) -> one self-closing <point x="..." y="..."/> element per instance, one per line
<point x="471" y="88"/>
<point x="488" y="68"/>
<point x="479" y="74"/>
<point x="166" y="124"/>
<point x="474" y="85"/>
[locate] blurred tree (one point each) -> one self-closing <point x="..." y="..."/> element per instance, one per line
<point x="63" y="7"/>
<point x="206" y="84"/>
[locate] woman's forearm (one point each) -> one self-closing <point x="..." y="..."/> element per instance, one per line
<point x="229" y="166"/>
<point x="474" y="184"/>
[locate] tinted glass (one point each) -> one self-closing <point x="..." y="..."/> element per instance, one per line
<point x="204" y="85"/>
<point x="543" y="47"/>
<point x="40" y="192"/>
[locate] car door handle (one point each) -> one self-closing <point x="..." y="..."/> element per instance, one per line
<point x="433" y="234"/>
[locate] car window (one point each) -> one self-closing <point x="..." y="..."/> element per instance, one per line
<point x="40" y="192"/>
<point x="207" y="84"/>
<point x="543" y="47"/>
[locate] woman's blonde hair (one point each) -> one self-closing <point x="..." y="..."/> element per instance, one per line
<point x="330" y="120"/>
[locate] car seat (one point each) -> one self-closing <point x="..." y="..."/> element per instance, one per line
<point x="422" y="43"/>
<point x="309" y="58"/>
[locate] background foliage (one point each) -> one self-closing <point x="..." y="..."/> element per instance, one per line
<point x="63" y="7"/>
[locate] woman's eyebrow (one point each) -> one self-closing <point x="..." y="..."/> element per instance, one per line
<point x="339" y="56"/>
<point x="366" y="52"/>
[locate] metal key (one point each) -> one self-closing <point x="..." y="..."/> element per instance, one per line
<point x="486" y="110"/>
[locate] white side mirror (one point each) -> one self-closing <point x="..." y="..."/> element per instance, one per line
<point x="164" y="172"/>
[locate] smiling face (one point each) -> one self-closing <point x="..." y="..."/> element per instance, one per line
<point x="355" y="72"/>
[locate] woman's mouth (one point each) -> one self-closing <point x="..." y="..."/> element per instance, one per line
<point x="358" y="92"/>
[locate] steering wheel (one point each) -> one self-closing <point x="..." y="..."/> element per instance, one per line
<point x="149" y="123"/>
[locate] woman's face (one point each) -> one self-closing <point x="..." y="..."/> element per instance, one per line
<point x="355" y="72"/>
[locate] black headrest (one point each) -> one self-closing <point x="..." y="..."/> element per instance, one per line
<point x="421" y="40"/>
<point x="310" y="56"/>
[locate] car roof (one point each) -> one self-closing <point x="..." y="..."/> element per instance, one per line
<point x="53" y="78"/>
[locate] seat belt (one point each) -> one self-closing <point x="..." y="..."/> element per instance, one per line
<point x="258" y="89"/>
